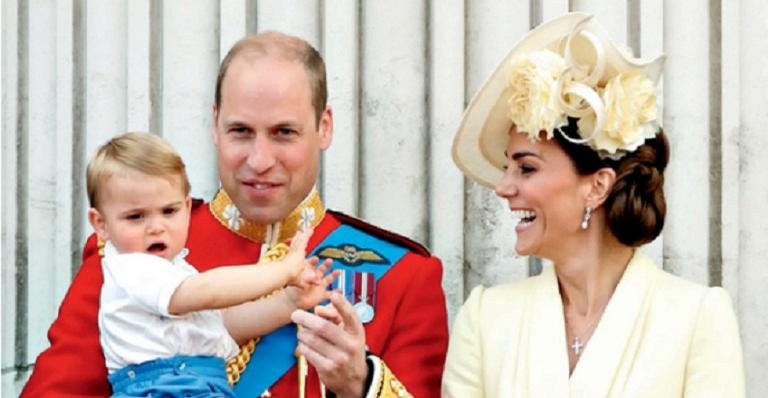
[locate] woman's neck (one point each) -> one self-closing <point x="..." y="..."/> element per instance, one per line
<point x="588" y="276"/>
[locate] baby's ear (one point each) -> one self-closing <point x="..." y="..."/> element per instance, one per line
<point x="98" y="223"/>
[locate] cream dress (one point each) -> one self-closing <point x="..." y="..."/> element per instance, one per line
<point x="660" y="336"/>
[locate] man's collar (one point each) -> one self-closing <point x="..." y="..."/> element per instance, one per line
<point x="308" y="213"/>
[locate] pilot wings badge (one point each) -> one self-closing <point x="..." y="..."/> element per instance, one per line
<point x="352" y="255"/>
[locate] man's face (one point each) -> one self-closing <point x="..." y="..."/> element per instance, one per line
<point x="267" y="138"/>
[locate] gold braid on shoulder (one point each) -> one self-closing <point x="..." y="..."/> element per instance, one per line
<point x="236" y="365"/>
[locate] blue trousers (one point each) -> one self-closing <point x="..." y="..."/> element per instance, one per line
<point x="179" y="376"/>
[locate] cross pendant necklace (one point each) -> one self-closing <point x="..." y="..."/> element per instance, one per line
<point x="577" y="345"/>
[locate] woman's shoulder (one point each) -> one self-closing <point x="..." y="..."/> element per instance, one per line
<point x="677" y="289"/>
<point x="509" y="296"/>
<point x="682" y="298"/>
<point x="494" y="312"/>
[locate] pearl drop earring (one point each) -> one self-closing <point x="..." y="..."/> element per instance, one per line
<point x="587" y="216"/>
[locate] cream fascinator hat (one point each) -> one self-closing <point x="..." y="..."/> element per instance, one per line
<point x="565" y="68"/>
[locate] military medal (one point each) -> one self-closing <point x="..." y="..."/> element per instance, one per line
<point x="364" y="311"/>
<point x="365" y="288"/>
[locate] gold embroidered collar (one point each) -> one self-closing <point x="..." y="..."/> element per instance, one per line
<point x="309" y="213"/>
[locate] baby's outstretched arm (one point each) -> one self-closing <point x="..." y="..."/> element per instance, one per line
<point x="257" y="318"/>
<point x="232" y="285"/>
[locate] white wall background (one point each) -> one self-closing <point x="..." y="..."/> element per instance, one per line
<point x="400" y="72"/>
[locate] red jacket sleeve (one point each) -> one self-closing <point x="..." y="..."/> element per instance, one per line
<point x="418" y="339"/>
<point x="73" y="366"/>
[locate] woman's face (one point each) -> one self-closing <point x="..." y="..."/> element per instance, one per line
<point x="544" y="192"/>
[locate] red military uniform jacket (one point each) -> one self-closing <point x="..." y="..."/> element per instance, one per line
<point x="409" y="331"/>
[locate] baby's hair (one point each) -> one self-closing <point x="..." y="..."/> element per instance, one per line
<point x="146" y="153"/>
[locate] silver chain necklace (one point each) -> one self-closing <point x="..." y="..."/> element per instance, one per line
<point x="578" y="345"/>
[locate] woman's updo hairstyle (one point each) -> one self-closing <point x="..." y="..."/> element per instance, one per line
<point x="635" y="208"/>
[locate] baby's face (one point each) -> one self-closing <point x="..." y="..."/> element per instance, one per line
<point x="142" y="213"/>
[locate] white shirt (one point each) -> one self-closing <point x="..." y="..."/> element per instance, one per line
<point x="134" y="321"/>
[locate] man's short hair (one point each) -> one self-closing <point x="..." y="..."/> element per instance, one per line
<point x="146" y="153"/>
<point x="288" y="47"/>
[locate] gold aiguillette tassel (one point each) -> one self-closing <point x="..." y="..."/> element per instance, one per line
<point x="302" y="376"/>
<point x="302" y="370"/>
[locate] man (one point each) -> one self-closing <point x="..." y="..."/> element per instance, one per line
<point x="271" y="123"/>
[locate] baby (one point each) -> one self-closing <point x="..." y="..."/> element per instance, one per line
<point x="158" y="314"/>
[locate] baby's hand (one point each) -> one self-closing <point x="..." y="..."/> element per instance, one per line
<point x="308" y="276"/>
<point x="312" y="289"/>
<point x="295" y="261"/>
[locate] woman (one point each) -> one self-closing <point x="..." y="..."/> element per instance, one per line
<point x="566" y="131"/>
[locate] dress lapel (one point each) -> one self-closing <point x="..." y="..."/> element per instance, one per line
<point x="542" y="348"/>
<point x="609" y="354"/>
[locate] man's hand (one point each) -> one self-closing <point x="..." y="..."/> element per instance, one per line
<point x="337" y="351"/>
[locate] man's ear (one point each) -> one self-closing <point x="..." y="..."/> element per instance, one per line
<point x="214" y="125"/>
<point x="98" y="223"/>
<point x="600" y="186"/>
<point x="325" y="128"/>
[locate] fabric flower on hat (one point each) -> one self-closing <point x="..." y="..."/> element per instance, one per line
<point x="533" y="83"/>
<point x="630" y="113"/>
<point x="545" y="90"/>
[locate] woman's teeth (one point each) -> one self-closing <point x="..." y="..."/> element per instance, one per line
<point x="525" y="216"/>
